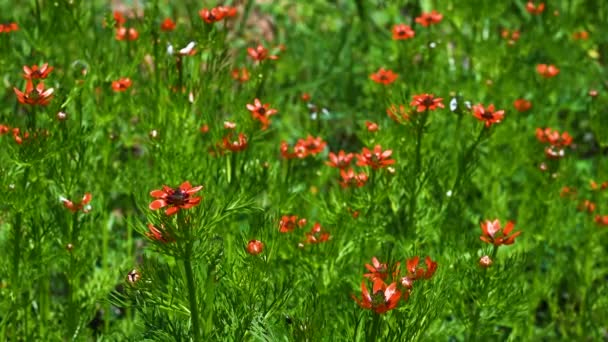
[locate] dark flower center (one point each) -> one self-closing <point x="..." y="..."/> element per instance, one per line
<point x="178" y="197"/>
<point x="428" y="101"/>
<point x="487" y="115"/>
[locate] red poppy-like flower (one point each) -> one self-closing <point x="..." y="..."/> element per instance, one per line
<point x="305" y="97"/>
<point x="495" y="234"/>
<point x="289" y="223"/>
<point x="119" y="18"/>
<point x="167" y="25"/>
<point x="426" y="19"/>
<point x="522" y="105"/>
<point x="426" y="102"/>
<point x="309" y="146"/>
<point x="587" y="206"/>
<point x="601" y="220"/>
<point x="382" y="299"/>
<point x="567" y="192"/>
<point x="371" y="126"/>
<point x="255" y="247"/>
<point x="261" y="112"/>
<point x="547" y="71"/>
<point x="8" y="27"/>
<point x="485" y="261"/>
<point x="340" y="160"/>
<point x="383" y="76"/>
<point x="34" y="72"/>
<point x="535" y="9"/>
<point x="236" y="145"/>
<point x="350" y="178"/>
<point x="4" y="129"/>
<point x="175" y="198"/>
<point x="489" y="115"/>
<point x="157" y="234"/>
<point x="512" y="36"/>
<point x="229" y="11"/>
<point x="77" y="206"/>
<point x="553" y="137"/>
<point x="241" y="75"/>
<point x="121" y="84"/>
<point x="34" y="96"/>
<point x="377" y="270"/>
<point x="285" y="151"/>
<point x="403" y="32"/>
<point x="397" y="114"/>
<point x="376" y="159"/>
<point x="417" y="272"/>
<point x="124" y="33"/>
<point x="260" y="53"/>
<point x="317" y="234"/>
<point x="213" y="15"/>
<point x="582" y="35"/>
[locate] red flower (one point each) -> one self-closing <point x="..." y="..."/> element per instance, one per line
<point x="8" y="28"/>
<point x="371" y="126"/>
<point x="260" y="53"/>
<point x="587" y="206"/>
<point x="4" y="129"/>
<point x="382" y="299"/>
<point x="489" y="115"/>
<point x="350" y="178"/>
<point x="34" y="96"/>
<point x="511" y="36"/>
<point x="385" y="77"/>
<point x="123" y="33"/>
<point x="175" y="198"/>
<point x="33" y="73"/>
<point x="289" y="223"/>
<point x="553" y="137"/>
<point x="376" y="159"/>
<point x="119" y="19"/>
<point x="426" y="102"/>
<point x="377" y="270"/>
<point x="167" y="25"/>
<point x="396" y="114"/>
<point x="493" y="233"/>
<point x="255" y="247"/>
<point x="305" y="97"/>
<point x="237" y="145"/>
<point x="212" y="15"/>
<point x="535" y="9"/>
<point x="601" y="220"/>
<point x="122" y="84"/>
<point x="583" y="35"/>
<point x="229" y="11"/>
<point x="547" y="71"/>
<point x="317" y="234"/>
<point x="261" y="112"/>
<point x="309" y="146"/>
<point x="340" y="160"/>
<point x="76" y="206"/>
<point x="157" y="234"/>
<point x="241" y="75"/>
<point x="522" y="105"/>
<point x="415" y="272"/>
<point x="426" y="19"/>
<point x="403" y="32"/>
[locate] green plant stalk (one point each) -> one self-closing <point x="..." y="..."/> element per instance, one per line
<point x="417" y="168"/>
<point x="466" y="155"/>
<point x="72" y="319"/>
<point x="194" y="316"/>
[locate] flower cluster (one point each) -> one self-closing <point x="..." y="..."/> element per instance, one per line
<point x="38" y="95"/>
<point x="303" y="148"/>
<point x="216" y="14"/>
<point x="9" y="27"/>
<point x="124" y="32"/>
<point x="390" y="283"/>
<point x="547" y="71"/>
<point x="585" y="204"/>
<point x="260" y="53"/>
<point x="556" y="142"/>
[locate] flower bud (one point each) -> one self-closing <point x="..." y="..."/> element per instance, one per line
<point x="255" y="247"/>
<point x="485" y="261"/>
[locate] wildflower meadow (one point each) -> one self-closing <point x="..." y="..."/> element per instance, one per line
<point x="347" y="170"/>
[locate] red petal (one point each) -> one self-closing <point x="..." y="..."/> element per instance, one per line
<point x="158" y="194"/>
<point x="195" y="189"/>
<point x="159" y="203"/>
<point x="171" y="211"/>
<point x="185" y="186"/>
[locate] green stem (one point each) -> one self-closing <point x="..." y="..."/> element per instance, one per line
<point x="194" y="317"/>
<point x="417" y="168"/>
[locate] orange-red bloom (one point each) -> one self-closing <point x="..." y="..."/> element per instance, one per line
<point x="77" y="206"/>
<point x="426" y="102"/>
<point x="175" y="198"/>
<point x="34" y="72"/>
<point x="340" y="160"/>
<point x="382" y="299"/>
<point x="167" y="25"/>
<point x="289" y="223"/>
<point x="547" y="71"/>
<point x="255" y="247"/>
<point x="371" y="126"/>
<point x="385" y="77"/>
<point x="601" y="220"/>
<point x="582" y="35"/>
<point x="119" y="18"/>
<point x="260" y="53"/>
<point x="241" y="75"/>
<point x="317" y="234"/>
<point x="350" y="178"/>
<point x="396" y="114"/>
<point x="261" y="112"/>
<point x="124" y="33"/>
<point x="212" y="15"/>
<point x="416" y="272"/>
<point x="34" y="96"/>
<point x="493" y="233"/>
<point x="236" y="145"/>
<point x="377" y="270"/>
<point x="522" y="105"/>
<point x="376" y="159"/>
<point x="426" y="19"/>
<point x="535" y="9"/>
<point x="488" y="115"/>
<point x="553" y="137"/>
<point x="8" y="27"/>
<point x="403" y="32"/>
<point x="121" y="84"/>
<point x="157" y="234"/>
<point x="309" y="146"/>
<point x="512" y="36"/>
